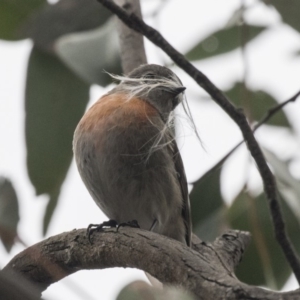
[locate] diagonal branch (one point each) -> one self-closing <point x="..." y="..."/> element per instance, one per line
<point x="272" y="111"/>
<point x="268" y="115"/>
<point x="237" y="115"/>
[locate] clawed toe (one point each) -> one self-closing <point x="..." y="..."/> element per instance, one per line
<point x="133" y="224"/>
<point x="109" y="224"/>
<point x="98" y="227"/>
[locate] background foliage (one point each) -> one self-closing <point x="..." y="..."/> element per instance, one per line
<point x="73" y="42"/>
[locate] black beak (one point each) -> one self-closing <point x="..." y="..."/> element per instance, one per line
<point x="177" y="90"/>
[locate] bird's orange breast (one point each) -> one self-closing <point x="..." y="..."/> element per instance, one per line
<point x="117" y="108"/>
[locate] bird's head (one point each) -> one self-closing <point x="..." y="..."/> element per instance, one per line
<point x="155" y="84"/>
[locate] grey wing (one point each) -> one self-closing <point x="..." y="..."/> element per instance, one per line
<point x="186" y="209"/>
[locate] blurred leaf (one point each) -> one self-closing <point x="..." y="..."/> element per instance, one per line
<point x="207" y="203"/>
<point x="236" y="18"/>
<point x="9" y="213"/>
<point x="289" y="11"/>
<point x="80" y="51"/>
<point x="257" y="105"/>
<point x="140" y="290"/>
<point x="212" y="226"/>
<point x="289" y="186"/>
<point x="55" y="101"/>
<point x="62" y="18"/>
<point x="13" y="13"/>
<point x="264" y="262"/>
<point x="222" y="41"/>
<point x="296" y="53"/>
<point x="52" y="203"/>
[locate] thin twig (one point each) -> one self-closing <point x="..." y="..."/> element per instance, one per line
<point x="269" y="114"/>
<point x="237" y="115"/>
<point x="274" y="110"/>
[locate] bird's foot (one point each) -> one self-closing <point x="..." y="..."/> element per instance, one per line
<point x="133" y="224"/>
<point x="99" y="227"/>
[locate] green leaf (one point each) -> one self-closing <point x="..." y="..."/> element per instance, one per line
<point x="264" y="262"/>
<point x="9" y="213"/>
<point x="80" y="51"/>
<point x="289" y="186"/>
<point x="222" y="41"/>
<point x="13" y="14"/>
<point x="256" y="104"/>
<point x="55" y="101"/>
<point x="207" y="203"/>
<point x="52" y="203"/>
<point x="64" y="17"/>
<point x="289" y="11"/>
<point x="213" y="225"/>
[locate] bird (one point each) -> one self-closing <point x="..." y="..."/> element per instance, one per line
<point x="127" y="155"/>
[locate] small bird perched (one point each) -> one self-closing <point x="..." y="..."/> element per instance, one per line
<point x="127" y="155"/>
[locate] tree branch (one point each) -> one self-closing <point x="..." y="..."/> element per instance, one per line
<point x="206" y="270"/>
<point x="238" y="117"/>
<point x="131" y="43"/>
<point x="272" y="111"/>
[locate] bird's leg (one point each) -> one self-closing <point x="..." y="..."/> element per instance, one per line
<point x="153" y="225"/>
<point x="98" y="227"/>
<point x="133" y="224"/>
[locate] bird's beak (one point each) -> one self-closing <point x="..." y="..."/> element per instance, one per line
<point x="177" y="90"/>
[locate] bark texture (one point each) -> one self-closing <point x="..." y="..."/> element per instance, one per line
<point x="206" y="270"/>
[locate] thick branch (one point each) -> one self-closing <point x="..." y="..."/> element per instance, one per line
<point x="131" y="42"/>
<point x="206" y="270"/>
<point x="237" y="115"/>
